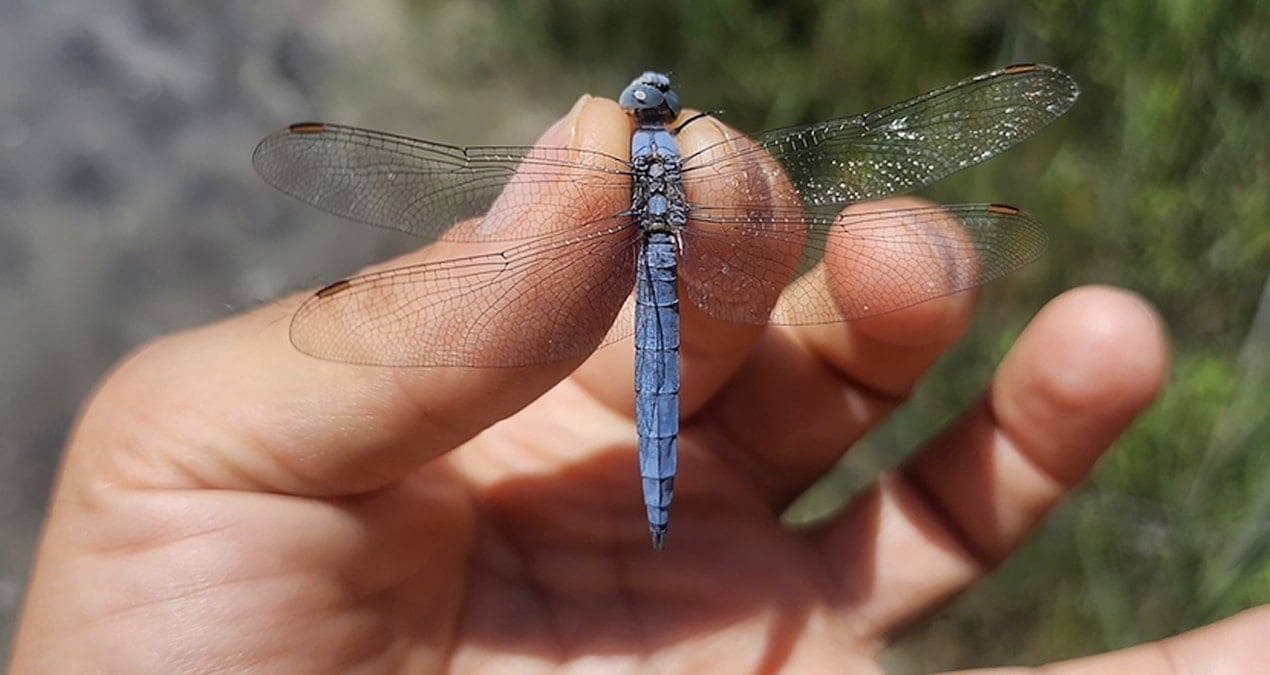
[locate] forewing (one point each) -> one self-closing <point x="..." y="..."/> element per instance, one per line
<point x="424" y="188"/>
<point x="899" y="148"/>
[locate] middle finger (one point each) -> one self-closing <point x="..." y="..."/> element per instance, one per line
<point x="807" y="393"/>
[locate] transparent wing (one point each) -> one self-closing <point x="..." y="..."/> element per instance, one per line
<point x="547" y="299"/>
<point x="894" y="150"/>
<point x="424" y="188"/>
<point x="765" y="242"/>
<point x="789" y="267"/>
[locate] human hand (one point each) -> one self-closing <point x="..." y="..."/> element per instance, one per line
<point x="227" y="503"/>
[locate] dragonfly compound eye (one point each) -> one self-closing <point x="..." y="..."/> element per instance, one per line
<point x="649" y="98"/>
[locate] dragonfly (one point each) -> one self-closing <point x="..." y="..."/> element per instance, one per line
<point x="746" y="232"/>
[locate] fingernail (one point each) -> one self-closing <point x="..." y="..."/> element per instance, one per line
<point x="714" y="135"/>
<point x="562" y="133"/>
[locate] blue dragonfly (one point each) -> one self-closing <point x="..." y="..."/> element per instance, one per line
<point x="745" y="230"/>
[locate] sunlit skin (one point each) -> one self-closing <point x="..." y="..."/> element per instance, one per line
<point x="228" y="504"/>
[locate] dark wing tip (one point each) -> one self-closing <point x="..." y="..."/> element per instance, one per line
<point x="1017" y="68"/>
<point x="307" y="128"/>
<point x="334" y="289"/>
<point x="1004" y="209"/>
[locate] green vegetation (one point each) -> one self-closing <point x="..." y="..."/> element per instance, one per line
<point x="1156" y="181"/>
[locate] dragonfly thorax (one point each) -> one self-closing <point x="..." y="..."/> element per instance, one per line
<point x="649" y="99"/>
<point x="658" y="200"/>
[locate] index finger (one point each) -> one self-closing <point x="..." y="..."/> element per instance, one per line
<point x="234" y="405"/>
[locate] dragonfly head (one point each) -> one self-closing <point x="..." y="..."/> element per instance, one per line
<point x="649" y="98"/>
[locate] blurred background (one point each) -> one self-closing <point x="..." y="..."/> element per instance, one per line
<point x="128" y="209"/>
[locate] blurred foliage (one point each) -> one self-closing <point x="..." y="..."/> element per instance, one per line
<point x="1156" y="181"/>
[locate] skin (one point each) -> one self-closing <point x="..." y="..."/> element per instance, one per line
<point x="228" y="504"/>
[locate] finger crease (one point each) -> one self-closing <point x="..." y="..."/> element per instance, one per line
<point x="852" y="381"/>
<point x="743" y="457"/>
<point x="923" y="496"/>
